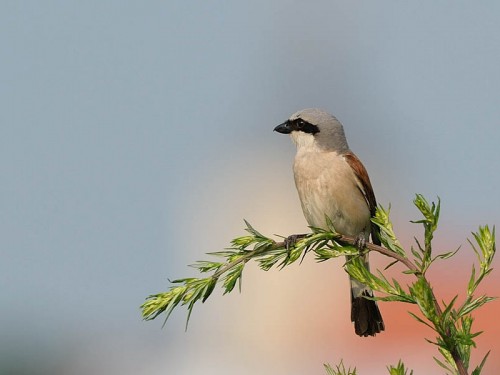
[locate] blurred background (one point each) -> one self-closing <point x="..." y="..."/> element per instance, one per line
<point x="135" y="137"/>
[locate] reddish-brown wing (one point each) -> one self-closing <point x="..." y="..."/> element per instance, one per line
<point x="366" y="188"/>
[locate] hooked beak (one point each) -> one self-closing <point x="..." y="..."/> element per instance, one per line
<point x="284" y="128"/>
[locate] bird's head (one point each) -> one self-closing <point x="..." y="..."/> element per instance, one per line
<point x="314" y="128"/>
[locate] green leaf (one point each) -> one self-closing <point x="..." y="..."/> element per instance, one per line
<point x="390" y="265"/>
<point x="232" y="277"/>
<point x="224" y="254"/>
<point x="444" y="365"/>
<point x="271" y="258"/>
<point x="420" y="320"/>
<point x="387" y="235"/>
<point x="430" y="212"/>
<point x="339" y="369"/>
<point x="209" y="289"/>
<point x="474" y="304"/>
<point x="415" y="253"/>
<point x="324" y="253"/>
<point x="243" y="242"/>
<point x="252" y="230"/>
<point x="478" y="369"/>
<point x="399" y="369"/>
<point x="445" y="255"/>
<point x="393" y="299"/>
<point x="206" y="266"/>
<point x="472" y="282"/>
<point x="446" y="313"/>
<point x="452" y="367"/>
<point x="423" y="295"/>
<point x="329" y="224"/>
<point x="430" y="221"/>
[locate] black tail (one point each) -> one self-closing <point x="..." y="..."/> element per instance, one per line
<point x="365" y="315"/>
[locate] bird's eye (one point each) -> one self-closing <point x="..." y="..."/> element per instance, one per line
<point x="301" y="124"/>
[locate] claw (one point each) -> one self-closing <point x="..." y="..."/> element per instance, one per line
<point x="292" y="240"/>
<point x="360" y="242"/>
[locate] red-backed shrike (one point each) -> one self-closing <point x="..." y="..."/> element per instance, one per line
<point x="332" y="182"/>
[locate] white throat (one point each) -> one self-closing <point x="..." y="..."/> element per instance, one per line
<point x="304" y="141"/>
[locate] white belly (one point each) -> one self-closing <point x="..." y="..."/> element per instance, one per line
<point x="327" y="186"/>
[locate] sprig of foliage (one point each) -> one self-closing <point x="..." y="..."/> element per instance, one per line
<point x="451" y="321"/>
<point x="423" y="257"/>
<point x="265" y="251"/>
<point x="339" y="370"/>
<point x="399" y="369"/>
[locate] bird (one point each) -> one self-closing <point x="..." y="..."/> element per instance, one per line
<point x="333" y="184"/>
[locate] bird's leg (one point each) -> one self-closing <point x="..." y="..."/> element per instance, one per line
<point x="360" y="241"/>
<point x="292" y="240"/>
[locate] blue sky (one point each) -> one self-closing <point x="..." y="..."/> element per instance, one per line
<point x="136" y="137"/>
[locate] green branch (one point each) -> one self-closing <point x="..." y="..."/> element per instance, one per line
<point x="452" y="322"/>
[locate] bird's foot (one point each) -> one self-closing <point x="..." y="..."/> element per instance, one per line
<point x="292" y="240"/>
<point x="360" y="242"/>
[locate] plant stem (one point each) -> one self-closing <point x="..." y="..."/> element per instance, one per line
<point x="372" y="247"/>
<point x="454" y="353"/>
<point x="245" y="258"/>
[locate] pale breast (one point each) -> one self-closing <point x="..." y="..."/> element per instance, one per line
<point x="327" y="186"/>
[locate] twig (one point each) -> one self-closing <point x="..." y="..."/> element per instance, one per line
<point x="245" y="258"/>
<point x="371" y="247"/>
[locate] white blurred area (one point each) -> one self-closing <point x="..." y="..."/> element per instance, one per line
<point x="136" y="138"/>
